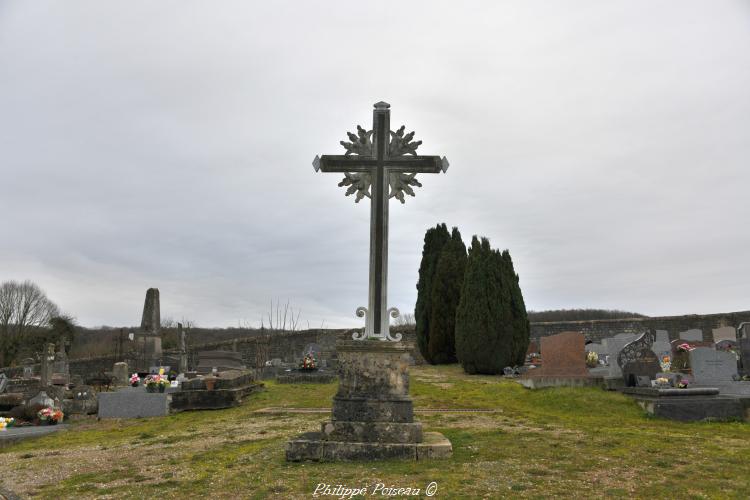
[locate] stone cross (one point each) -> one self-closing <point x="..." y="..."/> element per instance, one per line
<point x="45" y="372"/>
<point x="376" y="166"/>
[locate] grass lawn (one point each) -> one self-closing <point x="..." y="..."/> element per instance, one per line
<point x="567" y="442"/>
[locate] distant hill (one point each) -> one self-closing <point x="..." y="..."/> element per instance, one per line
<point x="580" y="315"/>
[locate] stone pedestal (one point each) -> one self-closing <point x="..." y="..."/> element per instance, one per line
<point x="373" y="415"/>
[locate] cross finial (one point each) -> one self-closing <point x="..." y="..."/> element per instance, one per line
<point x="382" y="105"/>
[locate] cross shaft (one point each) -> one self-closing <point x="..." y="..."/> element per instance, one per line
<point x="377" y="169"/>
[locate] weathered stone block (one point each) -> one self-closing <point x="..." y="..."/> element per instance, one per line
<point x="372" y="432"/>
<point x="373" y="410"/>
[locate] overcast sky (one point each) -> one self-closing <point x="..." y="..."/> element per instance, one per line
<point x="169" y="144"/>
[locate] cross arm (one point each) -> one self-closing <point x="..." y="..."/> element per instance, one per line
<point x="405" y="164"/>
<point x="344" y="163"/>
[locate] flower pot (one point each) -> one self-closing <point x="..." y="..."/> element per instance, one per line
<point x="162" y="387"/>
<point x="134" y="384"/>
<point x="210" y="383"/>
<point x="150" y="388"/>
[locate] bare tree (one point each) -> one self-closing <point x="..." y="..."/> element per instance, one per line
<point x="23" y="307"/>
<point x="279" y="324"/>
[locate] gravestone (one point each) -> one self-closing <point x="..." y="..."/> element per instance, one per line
<point x="48" y="357"/>
<point x="692" y="335"/>
<point x="148" y="349"/>
<point x="563" y="355"/>
<point x="80" y="400"/>
<point x="681" y="359"/>
<point x="183" y="364"/>
<point x="372" y="415"/>
<point x="221" y="360"/>
<point x="3" y="382"/>
<point x="313" y="349"/>
<point x="121" y="373"/>
<point x="60" y="368"/>
<point x="42" y="399"/>
<point x="613" y="346"/>
<point x="743" y="333"/>
<point x="724" y="333"/>
<point x="712" y="367"/>
<point x="28" y="367"/>
<point x="133" y="402"/>
<point x="637" y="359"/>
<point x="661" y="345"/>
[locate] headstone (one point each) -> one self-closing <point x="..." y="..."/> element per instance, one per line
<point x="563" y="355"/>
<point x="692" y="335"/>
<point x="151" y="319"/>
<point x="133" y="402"/>
<point x="712" y="367"/>
<point x="637" y="359"/>
<point x="183" y="365"/>
<point x="661" y="345"/>
<point x="28" y="368"/>
<point x="148" y="350"/>
<point x="42" y="399"/>
<point x="3" y="382"/>
<point x="613" y="346"/>
<point x="313" y="349"/>
<point x="121" y="373"/>
<point x="724" y="333"/>
<point x="60" y="364"/>
<point x="221" y="360"/>
<point x="48" y="357"/>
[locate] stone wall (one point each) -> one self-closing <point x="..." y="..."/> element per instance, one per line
<point x="595" y="330"/>
<point x="85" y="367"/>
<point x="288" y="346"/>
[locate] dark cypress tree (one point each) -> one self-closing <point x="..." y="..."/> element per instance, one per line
<point x="446" y="292"/>
<point x="521" y="328"/>
<point x="434" y="240"/>
<point x="492" y="329"/>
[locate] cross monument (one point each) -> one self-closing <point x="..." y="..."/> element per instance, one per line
<point x="376" y="166"/>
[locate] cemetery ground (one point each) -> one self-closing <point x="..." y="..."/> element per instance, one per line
<point x="558" y="442"/>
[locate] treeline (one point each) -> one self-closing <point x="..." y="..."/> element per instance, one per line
<point x="580" y="315"/>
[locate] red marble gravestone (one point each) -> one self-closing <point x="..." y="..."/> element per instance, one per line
<point x="563" y="355"/>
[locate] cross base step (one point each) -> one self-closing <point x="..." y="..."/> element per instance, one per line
<point x="313" y="446"/>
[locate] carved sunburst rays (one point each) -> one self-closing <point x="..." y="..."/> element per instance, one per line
<point x="402" y="144"/>
<point x="361" y="144"/>
<point x="358" y="183"/>
<point x="400" y="184"/>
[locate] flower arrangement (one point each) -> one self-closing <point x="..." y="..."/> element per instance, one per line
<point x="661" y="381"/>
<point x="135" y="380"/>
<point x="156" y="382"/>
<point x="308" y="363"/>
<point x="683" y="383"/>
<point x="592" y="359"/>
<point x="6" y="423"/>
<point x="685" y="347"/>
<point x="666" y="363"/>
<point x="50" y="416"/>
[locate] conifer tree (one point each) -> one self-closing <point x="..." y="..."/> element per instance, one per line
<point x="446" y="292"/>
<point x="492" y="329"/>
<point x="434" y="240"/>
